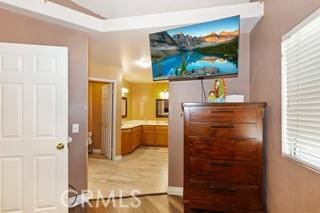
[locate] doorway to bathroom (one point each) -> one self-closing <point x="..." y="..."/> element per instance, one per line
<point x="101" y="119"/>
<point x="141" y="163"/>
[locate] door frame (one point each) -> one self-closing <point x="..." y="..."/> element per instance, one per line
<point x="114" y="110"/>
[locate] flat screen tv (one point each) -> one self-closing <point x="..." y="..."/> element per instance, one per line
<point x="198" y="51"/>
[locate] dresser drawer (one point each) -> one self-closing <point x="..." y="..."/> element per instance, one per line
<point x="223" y="148"/>
<point x="223" y="130"/>
<point x="232" y="172"/>
<point x="248" y="115"/>
<point x="218" y="194"/>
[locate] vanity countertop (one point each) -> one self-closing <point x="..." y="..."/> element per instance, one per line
<point x="135" y="123"/>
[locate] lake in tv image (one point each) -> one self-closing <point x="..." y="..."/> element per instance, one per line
<point x="202" y="50"/>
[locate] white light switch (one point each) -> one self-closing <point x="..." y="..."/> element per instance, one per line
<point x="75" y="128"/>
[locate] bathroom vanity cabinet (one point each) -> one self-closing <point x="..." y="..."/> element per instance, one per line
<point x="147" y="135"/>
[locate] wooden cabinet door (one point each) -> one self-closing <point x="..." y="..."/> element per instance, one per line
<point x="162" y="136"/>
<point x="149" y="138"/>
<point x="139" y="135"/>
<point x="148" y="135"/>
<point x="135" y="139"/>
<point x="162" y="139"/>
<point x="126" y="146"/>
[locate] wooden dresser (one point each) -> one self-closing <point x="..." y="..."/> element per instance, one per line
<point x="223" y="163"/>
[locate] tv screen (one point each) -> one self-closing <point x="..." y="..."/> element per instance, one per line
<point x="204" y="50"/>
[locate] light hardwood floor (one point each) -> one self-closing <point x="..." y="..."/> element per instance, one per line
<point x="149" y="204"/>
<point x="146" y="170"/>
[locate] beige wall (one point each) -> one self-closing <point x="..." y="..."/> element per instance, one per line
<point x="103" y="71"/>
<point x="290" y="187"/>
<point x="21" y="29"/>
<point x="127" y="85"/>
<point x="190" y="91"/>
<point x="144" y="100"/>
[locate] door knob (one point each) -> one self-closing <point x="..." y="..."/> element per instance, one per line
<point x="60" y="146"/>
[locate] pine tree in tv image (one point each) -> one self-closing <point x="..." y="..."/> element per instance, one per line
<point x="204" y="50"/>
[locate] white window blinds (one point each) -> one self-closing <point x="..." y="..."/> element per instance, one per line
<point x="301" y="93"/>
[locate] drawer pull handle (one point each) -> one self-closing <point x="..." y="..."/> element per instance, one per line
<point x="222" y="188"/>
<point x="222" y="126"/>
<point x="222" y="164"/>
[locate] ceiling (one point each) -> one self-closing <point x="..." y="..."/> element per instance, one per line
<point x="75" y="6"/>
<point x="126" y="8"/>
<point x="125" y="48"/>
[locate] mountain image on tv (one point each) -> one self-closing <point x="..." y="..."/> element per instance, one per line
<point x="205" y="50"/>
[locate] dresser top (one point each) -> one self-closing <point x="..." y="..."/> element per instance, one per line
<point x="234" y="105"/>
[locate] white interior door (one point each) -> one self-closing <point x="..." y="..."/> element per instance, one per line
<point x="107" y="121"/>
<point x="33" y="121"/>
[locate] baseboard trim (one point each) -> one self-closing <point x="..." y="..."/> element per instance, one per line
<point x="96" y="151"/>
<point x="177" y="191"/>
<point x="78" y="200"/>
<point x="130" y="196"/>
<point x="116" y="158"/>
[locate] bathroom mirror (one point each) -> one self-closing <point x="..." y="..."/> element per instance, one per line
<point x="124" y="108"/>
<point x="162" y="108"/>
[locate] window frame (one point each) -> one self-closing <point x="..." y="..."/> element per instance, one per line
<point x="284" y="153"/>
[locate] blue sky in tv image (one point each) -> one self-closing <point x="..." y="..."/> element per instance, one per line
<point x="202" y="29"/>
<point x="199" y="50"/>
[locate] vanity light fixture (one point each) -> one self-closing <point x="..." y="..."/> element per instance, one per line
<point x="164" y="94"/>
<point x="124" y="91"/>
